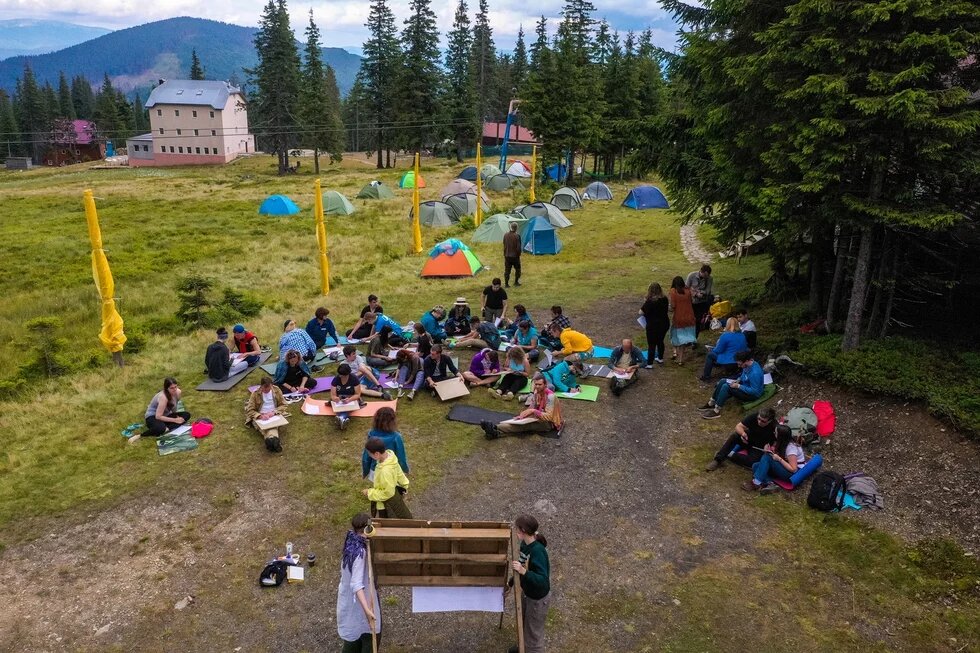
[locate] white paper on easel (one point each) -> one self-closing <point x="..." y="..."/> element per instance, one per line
<point x="457" y="599"/>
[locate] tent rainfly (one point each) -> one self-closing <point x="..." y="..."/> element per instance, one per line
<point x="408" y="180"/>
<point x="489" y="170"/>
<point x="567" y="199"/>
<point x="597" y="191"/>
<point x="457" y="186"/>
<point x="540" y="237"/>
<point x="492" y="229"/>
<point x="469" y="173"/>
<point x="451" y="258"/>
<point x="278" y="205"/>
<point x="502" y="183"/>
<point x="519" y="169"/>
<point x="436" y="214"/>
<point x="646" y="197"/>
<point x="375" y="191"/>
<point x="336" y="204"/>
<point x="465" y="203"/>
<point x="545" y="209"/>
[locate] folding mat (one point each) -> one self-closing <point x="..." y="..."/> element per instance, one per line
<point x="323" y="384"/>
<point x="231" y="382"/>
<point x="323" y="408"/>
<point x="474" y="415"/>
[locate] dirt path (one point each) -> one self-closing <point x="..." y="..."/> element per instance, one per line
<point x="691" y="245"/>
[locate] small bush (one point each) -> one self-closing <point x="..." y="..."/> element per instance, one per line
<point x="192" y="293"/>
<point x="244" y="304"/>
<point x="49" y="354"/>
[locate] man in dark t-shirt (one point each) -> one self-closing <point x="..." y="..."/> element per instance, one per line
<point x="494" y="301"/>
<point x="753" y="433"/>
<point x="343" y="388"/>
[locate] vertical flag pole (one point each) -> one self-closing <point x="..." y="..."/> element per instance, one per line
<point x="479" y="184"/>
<point x="534" y="169"/>
<point x="416" y="229"/>
<point x="321" y="239"/>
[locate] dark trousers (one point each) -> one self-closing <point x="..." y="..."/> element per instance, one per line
<point x="361" y="645"/>
<point x="155" y="427"/>
<point x="515" y="263"/>
<point x="388" y="337"/>
<point x="362" y="332"/>
<point x="700" y="310"/>
<point x="395" y="508"/>
<point x="512" y="383"/>
<point x="656" y="336"/>
<point x="735" y="440"/>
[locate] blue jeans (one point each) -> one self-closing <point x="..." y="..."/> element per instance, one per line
<point x="723" y="392"/>
<point x="368" y="383"/>
<point x="767" y="469"/>
<point x="709" y="362"/>
<point x="403" y="380"/>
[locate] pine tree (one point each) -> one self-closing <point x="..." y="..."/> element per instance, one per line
<point x="459" y="100"/>
<point x="66" y="108"/>
<point x="82" y="98"/>
<point x="106" y="116"/>
<point x="31" y="116"/>
<point x="197" y="70"/>
<point x="141" y="120"/>
<point x="49" y="96"/>
<point x="540" y="44"/>
<point x="10" y="144"/>
<point x="323" y="129"/>
<point x="518" y="72"/>
<point x="482" y="60"/>
<point x="379" y="70"/>
<point x="504" y="85"/>
<point x="420" y="80"/>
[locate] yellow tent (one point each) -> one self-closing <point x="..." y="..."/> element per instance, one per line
<point x="111" y="335"/>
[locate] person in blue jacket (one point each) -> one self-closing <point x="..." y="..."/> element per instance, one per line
<point x="320" y="327"/>
<point x="386" y="429"/>
<point x="723" y="353"/>
<point x="625" y="360"/>
<point x="432" y="321"/>
<point x="748" y="387"/>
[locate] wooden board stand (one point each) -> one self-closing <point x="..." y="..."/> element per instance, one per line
<point x="414" y="553"/>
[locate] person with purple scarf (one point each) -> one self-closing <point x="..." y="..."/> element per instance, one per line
<point x="356" y="617"/>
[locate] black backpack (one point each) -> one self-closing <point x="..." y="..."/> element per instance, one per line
<point x="827" y="492"/>
<point x="273" y="574"/>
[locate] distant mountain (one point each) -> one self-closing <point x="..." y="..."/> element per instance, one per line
<point x="137" y="57"/>
<point x="25" y="36"/>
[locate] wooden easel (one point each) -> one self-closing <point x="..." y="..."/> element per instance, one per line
<point x="413" y="552"/>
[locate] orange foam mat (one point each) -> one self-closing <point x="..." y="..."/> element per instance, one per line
<point x="323" y="408"/>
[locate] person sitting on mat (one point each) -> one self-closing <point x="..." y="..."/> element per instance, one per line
<point x="458" y="321"/>
<point x="576" y="347"/>
<point x="320" y="327"/>
<point x="748" y="387"/>
<point x="387" y="497"/>
<point x="265" y="403"/>
<point x="625" y="359"/>
<point x="747" y="326"/>
<point x="526" y="337"/>
<point x="247" y="344"/>
<point x="293" y="375"/>
<point x="361" y="328"/>
<point x="438" y="367"/>
<point x="780" y="460"/>
<point x="298" y="339"/>
<point x="358" y="607"/>
<point x="482" y="335"/>
<point x="368" y="376"/>
<point x="423" y="341"/>
<point x="543" y="414"/>
<point x="516" y="373"/>
<point x="432" y="322"/>
<point x="753" y="433"/>
<point x="384" y="332"/>
<point x="162" y="414"/>
<point x="559" y="319"/>
<point x="560" y="378"/>
<point x="345" y="388"/>
<point x="410" y="373"/>
<point x="731" y="341"/>
<point x="385" y="428"/>
<point x="218" y="360"/>
<point x="510" y="326"/>
<point x="484" y="368"/>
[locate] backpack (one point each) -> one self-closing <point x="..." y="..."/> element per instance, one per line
<point x="202" y="428"/>
<point x="802" y="421"/>
<point x="273" y="574"/>
<point x="827" y="492"/>
<point x="826" y="419"/>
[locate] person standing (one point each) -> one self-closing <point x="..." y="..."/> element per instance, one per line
<point x="358" y="609"/>
<point x="494" y="301"/>
<point x="682" y="331"/>
<point x="701" y="285"/>
<point x="512" y="255"/>
<point x="534" y="568"/>
<point x="387" y="497"/>
<point x="654" y="311"/>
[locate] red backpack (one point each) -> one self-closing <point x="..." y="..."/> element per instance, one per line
<point x="826" y="419"/>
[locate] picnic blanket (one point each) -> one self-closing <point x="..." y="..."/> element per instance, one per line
<point x="169" y="443"/>
<point x="232" y="381"/>
<point x="323" y="408"/>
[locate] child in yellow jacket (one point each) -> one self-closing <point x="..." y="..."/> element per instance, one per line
<point x="390" y="483"/>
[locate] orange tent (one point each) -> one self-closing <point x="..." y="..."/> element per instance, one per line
<point x="451" y="258"/>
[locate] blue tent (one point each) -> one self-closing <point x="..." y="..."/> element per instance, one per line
<point x="469" y="173"/>
<point x="646" y="197"/>
<point x="557" y="172"/>
<point x="278" y="205"/>
<point x="540" y="237"/>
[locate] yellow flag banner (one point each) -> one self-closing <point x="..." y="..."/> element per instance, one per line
<point x="321" y="238"/>
<point x="534" y="169"/>
<point x="416" y="228"/>
<point x="111" y="334"/>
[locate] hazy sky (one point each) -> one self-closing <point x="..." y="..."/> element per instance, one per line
<point x="340" y="21"/>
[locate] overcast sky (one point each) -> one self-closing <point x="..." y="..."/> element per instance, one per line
<point x="340" y="21"/>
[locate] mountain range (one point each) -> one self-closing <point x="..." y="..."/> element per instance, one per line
<point x="27" y="36"/>
<point x="136" y="57"/>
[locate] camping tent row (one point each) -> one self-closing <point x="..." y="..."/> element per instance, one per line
<point x="545" y="210"/>
<point x="333" y="204"/>
<point x="517" y="169"/>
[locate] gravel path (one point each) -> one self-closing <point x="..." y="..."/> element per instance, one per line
<point x="691" y="245"/>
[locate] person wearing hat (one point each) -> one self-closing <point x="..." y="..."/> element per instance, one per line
<point x="218" y="360"/>
<point x="298" y="339"/>
<point x="432" y="321"/>
<point x="458" y="322"/>
<point x="247" y="344"/>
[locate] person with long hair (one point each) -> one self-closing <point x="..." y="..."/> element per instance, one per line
<point x="162" y="414"/>
<point x="458" y="322"/>
<point x="682" y="331"/>
<point x="654" y="311"/>
<point x="358" y="608"/>
<point x="534" y="569"/>
<point x="781" y="460"/>
<point x="293" y="374"/>
<point x="385" y="428"/>
<point x="515" y="374"/>
<point x="387" y="497"/>
<point x="410" y="373"/>
<point x="484" y="368"/>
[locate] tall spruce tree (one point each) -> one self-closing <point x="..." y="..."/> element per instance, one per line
<point x="31" y="113"/>
<point x="377" y="75"/>
<point x="420" y="79"/>
<point x="459" y="102"/>
<point x="66" y="108"/>
<point x="323" y="127"/>
<point x="540" y="44"/>
<point x="82" y="98"/>
<point x="518" y="72"/>
<point x="107" y="118"/>
<point x="482" y="60"/>
<point x="10" y="144"/>
<point x="197" y="70"/>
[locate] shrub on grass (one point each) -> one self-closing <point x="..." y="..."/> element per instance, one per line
<point x="192" y="292"/>
<point x="49" y="352"/>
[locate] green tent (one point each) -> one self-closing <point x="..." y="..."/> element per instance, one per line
<point x="375" y="191"/>
<point x="465" y="203"/>
<point x="502" y="183"/>
<point x="492" y="229"/>
<point x="336" y="204"/>
<point x="567" y="199"/>
<point x="436" y="214"/>
<point x="489" y="170"/>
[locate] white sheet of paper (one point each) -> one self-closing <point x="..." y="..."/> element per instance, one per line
<point x="642" y="321"/>
<point x="548" y="357"/>
<point x="767" y="379"/>
<point x="353" y="341"/>
<point x="182" y="429"/>
<point x="312" y="409"/>
<point x="294" y="574"/>
<point x="523" y="420"/>
<point x="390" y="384"/>
<point x="335" y="349"/>
<point x="621" y="375"/>
<point x="496" y="321"/>
<point x="457" y="599"/>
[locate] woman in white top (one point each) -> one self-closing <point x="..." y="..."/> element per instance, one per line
<point x="781" y="461"/>
<point x="358" y="610"/>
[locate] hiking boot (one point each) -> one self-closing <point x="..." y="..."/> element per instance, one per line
<point x="710" y="414"/>
<point x="494" y="393"/>
<point x="272" y="444"/>
<point x="517" y="283"/>
<point x="401" y="393"/>
<point x="411" y="395"/>
<point x="616" y="389"/>
<point x="706" y="407"/>
<point x="522" y="397"/>
<point x="490" y="431"/>
<point x="712" y="466"/>
<point x="385" y="395"/>
<point x="749" y="486"/>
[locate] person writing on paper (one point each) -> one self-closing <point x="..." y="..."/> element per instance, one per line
<point x="458" y="321"/>
<point x="748" y="387"/>
<point x="345" y="389"/>
<point x="624" y="361"/>
<point x="218" y="360"/>
<point x="162" y="414"/>
<point x="358" y="608"/>
<point x="534" y="569"/>
<point x="576" y="347"/>
<point x="516" y="372"/>
<point x="367" y="375"/>
<point x="438" y="367"/>
<point x="423" y="341"/>
<point x="320" y="327"/>
<point x="293" y="375"/>
<point x="387" y="497"/>
<point x="731" y="341"/>
<point x="654" y="311"/>
<point x="384" y="332"/>
<point x="780" y="460"/>
<point x="361" y="328"/>
<point x="494" y="302"/>
<point x="432" y="322"/>
<point x="264" y="404"/>
<point x="410" y="373"/>
<point x="542" y="415"/>
<point x="385" y="428"/>
<point x="526" y="337"/>
<point x="510" y="327"/>
<point x="754" y="433"/>
<point x="298" y="339"/>
<point x="247" y="344"/>
<point x="484" y="368"/>
<point x="482" y="335"/>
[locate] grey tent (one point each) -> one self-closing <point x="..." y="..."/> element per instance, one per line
<point x="489" y="170"/>
<point x="545" y="209"/>
<point x="492" y="229"/>
<point x="567" y="199"/>
<point x="436" y="214"/>
<point x="336" y="204"/>
<point x="597" y="191"/>
<point x="465" y="203"/>
<point x="457" y="186"/>
<point x="501" y="183"/>
<point x="376" y="191"/>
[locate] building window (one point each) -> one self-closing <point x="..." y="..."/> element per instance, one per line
<point x="195" y="132"/>
<point x="159" y="112"/>
<point x="177" y="112"/>
<point x="178" y="132"/>
<point x="212" y="114"/>
<point x="194" y="114"/>
<point x="198" y="150"/>
<point x="163" y="148"/>
<point x="171" y="149"/>
<point x="161" y="130"/>
<point x="214" y="132"/>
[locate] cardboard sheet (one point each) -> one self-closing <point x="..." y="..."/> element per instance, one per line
<point x="451" y="389"/>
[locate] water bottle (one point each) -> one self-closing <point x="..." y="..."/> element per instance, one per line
<point x="289" y="549"/>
